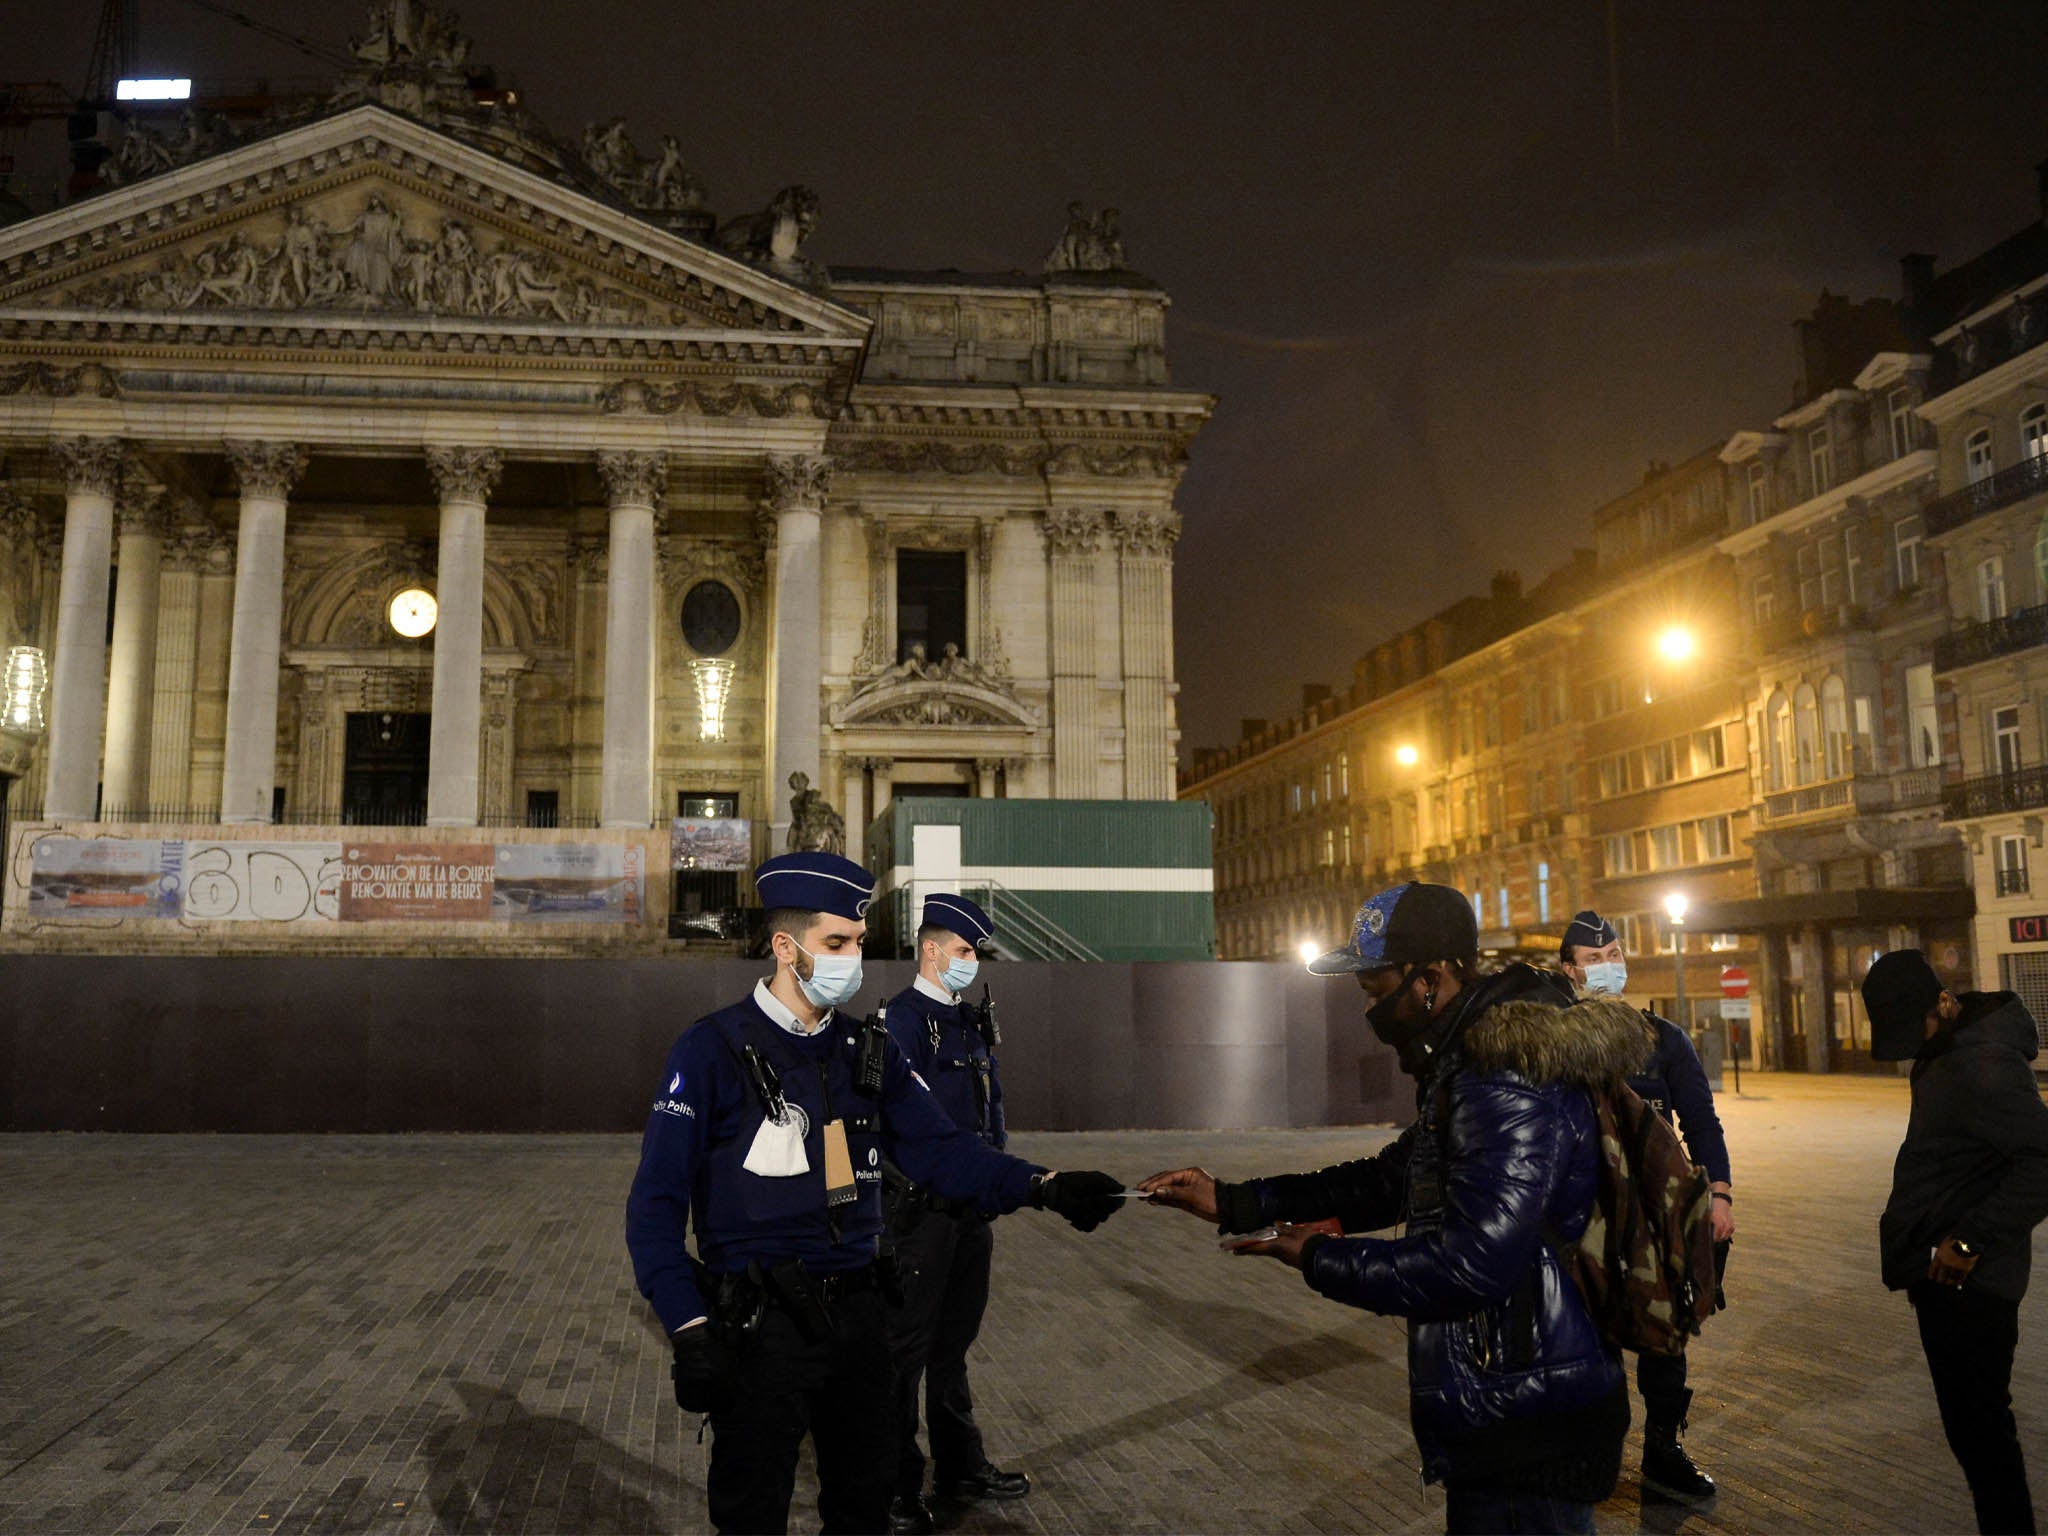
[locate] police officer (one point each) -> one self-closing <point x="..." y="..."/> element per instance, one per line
<point x="1672" y="1082"/>
<point x="766" y="1138"/>
<point x="943" y="1246"/>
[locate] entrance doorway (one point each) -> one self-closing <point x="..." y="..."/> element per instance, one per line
<point x="384" y="769"/>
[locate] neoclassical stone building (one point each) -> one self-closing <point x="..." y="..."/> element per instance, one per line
<point x="268" y="389"/>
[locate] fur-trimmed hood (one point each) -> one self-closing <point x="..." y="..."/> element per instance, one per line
<point x="1595" y="1043"/>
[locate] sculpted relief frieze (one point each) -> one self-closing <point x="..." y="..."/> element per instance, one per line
<point x="642" y="397"/>
<point x="369" y="257"/>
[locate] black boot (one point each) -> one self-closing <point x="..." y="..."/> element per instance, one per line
<point x="909" y="1515"/>
<point x="1669" y="1471"/>
<point x="986" y="1481"/>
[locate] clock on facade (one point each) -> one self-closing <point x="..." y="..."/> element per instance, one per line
<point x="413" y="612"/>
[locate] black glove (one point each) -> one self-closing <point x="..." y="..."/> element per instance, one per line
<point x="1085" y="1199"/>
<point x="699" y="1369"/>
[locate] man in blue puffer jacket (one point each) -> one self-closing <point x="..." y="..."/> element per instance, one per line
<point x="1519" y="1405"/>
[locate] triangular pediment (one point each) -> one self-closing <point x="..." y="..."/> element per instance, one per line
<point x="369" y="218"/>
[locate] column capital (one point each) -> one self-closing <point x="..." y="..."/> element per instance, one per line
<point x="464" y="474"/>
<point x="797" y="482"/>
<point x="265" y="469"/>
<point x="91" y="463"/>
<point x="1073" y="532"/>
<point x="632" y="478"/>
<point x="1148" y="533"/>
<point x="141" y="510"/>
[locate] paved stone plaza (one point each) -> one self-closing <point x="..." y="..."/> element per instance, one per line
<point x="441" y="1334"/>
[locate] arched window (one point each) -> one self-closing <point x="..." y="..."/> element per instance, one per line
<point x="1977" y="455"/>
<point x="1805" y="734"/>
<point x="1834" y="728"/>
<point x="1778" y="734"/>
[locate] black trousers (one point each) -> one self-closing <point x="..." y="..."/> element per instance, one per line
<point x="784" y="1386"/>
<point x="1969" y="1338"/>
<point x="944" y="1261"/>
<point x="1666" y="1397"/>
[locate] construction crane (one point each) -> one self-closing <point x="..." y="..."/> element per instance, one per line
<point x="87" y="113"/>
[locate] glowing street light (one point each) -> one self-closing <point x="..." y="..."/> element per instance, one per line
<point x="1406" y="755"/>
<point x="1677" y="643"/>
<point x="1308" y="949"/>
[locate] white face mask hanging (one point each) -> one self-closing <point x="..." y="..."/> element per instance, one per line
<point x="778" y="1147"/>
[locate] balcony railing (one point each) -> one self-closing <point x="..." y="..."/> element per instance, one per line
<point x="2016" y="483"/>
<point x="2023" y="789"/>
<point x="2019" y="630"/>
<point x="2012" y="882"/>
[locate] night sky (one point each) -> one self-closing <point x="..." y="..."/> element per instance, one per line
<point x="1446" y="314"/>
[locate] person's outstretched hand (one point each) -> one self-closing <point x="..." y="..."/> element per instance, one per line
<point x="1086" y="1199"/>
<point x="1185" y="1189"/>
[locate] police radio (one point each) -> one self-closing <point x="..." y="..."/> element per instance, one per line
<point x="985" y="1019"/>
<point x="871" y="1053"/>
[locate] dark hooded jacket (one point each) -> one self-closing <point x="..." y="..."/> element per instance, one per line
<point x="1511" y="1384"/>
<point x="1974" y="1163"/>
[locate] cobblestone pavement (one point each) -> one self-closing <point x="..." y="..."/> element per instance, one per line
<point x="413" y="1334"/>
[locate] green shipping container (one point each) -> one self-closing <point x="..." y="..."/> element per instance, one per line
<point x="1063" y="879"/>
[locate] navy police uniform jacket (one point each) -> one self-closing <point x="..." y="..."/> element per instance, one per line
<point x="944" y="1047"/>
<point x="1672" y="1082"/>
<point x="704" y="1120"/>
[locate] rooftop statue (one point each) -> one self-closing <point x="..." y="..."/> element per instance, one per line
<point x="1089" y="244"/>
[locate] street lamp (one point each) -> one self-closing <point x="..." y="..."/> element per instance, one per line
<point x="1677" y="643"/>
<point x="1406" y="755"/>
<point x="1674" y="907"/>
<point x="1308" y="949"/>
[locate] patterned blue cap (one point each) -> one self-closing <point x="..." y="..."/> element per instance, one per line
<point x="816" y="882"/>
<point x="1406" y="924"/>
<point x="956" y="914"/>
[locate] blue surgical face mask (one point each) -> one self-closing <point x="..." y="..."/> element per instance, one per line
<point x="959" y="975"/>
<point x="1607" y="978"/>
<point x="833" y="978"/>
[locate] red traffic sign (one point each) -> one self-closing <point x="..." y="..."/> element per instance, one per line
<point x="1734" y="981"/>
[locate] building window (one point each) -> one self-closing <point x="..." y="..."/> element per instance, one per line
<point x="1617" y="854"/>
<point x="1716" y="840"/>
<point x="1899" y="409"/>
<point x="1501" y="896"/>
<point x="1479" y="907"/>
<point x="1759" y="491"/>
<point x="1297" y="797"/>
<point x="1664" y="848"/>
<point x="1809" y="578"/>
<point x="1778" y="733"/>
<point x="1852" y="564"/>
<point x="1820" y="459"/>
<point x="1923" y="719"/>
<point x="1977" y="456"/>
<point x="1347" y="845"/>
<point x="1991" y="588"/>
<point x="1709" y="750"/>
<point x="1667" y="937"/>
<point x="1721" y="943"/>
<point x="931" y="602"/>
<point x="543" y="807"/>
<point x="1805" y="734"/>
<point x="1329" y="781"/>
<point x="1629" y="928"/>
<point x="1329" y="846"/>
<point x="2012" y="866"/>
<point x="2005" y="739"/>
<point x="1906" y="544"/>
<point x="1542" y="892"/>
<point x="1834" y="728"/>
<point x="1660" y="763"/>
<point x="1763" y="599"/>
<point x="1344" y="775"/>
<point x="2034" y="432"/>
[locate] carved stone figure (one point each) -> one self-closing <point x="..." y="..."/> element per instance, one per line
<point x="671" y="183"/>
<point x="1089" y="245"/>
<point x="814" y="826"/>
<point x="912" y="668"/>
<point x="774" y="237"/>
<point x="374" y="250"/>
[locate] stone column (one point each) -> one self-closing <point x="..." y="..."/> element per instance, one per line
<point x="131" y="682"/>
<point x="1072" y="537"/>
<point x="177" y="642"/>
<point x="464" y="478"/>
<point x="985" y="776"/>
<point x="633" y="484"/>
<point x="92" y="473"/>
<point x="265" y="473"/>
<point x="885" y="771"/>
<point x="795" y="505"/>
<point x="1145" y="581"/>
<point x="852" y="777"/>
